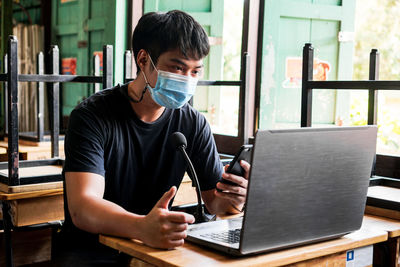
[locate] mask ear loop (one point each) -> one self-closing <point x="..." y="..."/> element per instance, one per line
<point x="145" y="87"/>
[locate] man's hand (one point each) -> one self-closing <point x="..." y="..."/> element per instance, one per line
<point x="235" y="194"/>
<point x="163" y="228"/>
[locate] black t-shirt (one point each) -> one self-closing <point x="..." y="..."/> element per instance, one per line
<point x="136" y="159"/>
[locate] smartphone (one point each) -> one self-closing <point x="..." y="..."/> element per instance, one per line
<point x="244" y="153"/>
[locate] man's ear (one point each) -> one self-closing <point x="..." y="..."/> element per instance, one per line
<point x="142" y="59"/>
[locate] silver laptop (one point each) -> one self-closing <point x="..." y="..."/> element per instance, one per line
<point x="306" y="185"/>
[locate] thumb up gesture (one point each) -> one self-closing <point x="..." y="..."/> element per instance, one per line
<point x="163" y="228"/>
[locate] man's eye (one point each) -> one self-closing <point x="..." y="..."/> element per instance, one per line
<point x="197" y="73"/>
<point x="178" y="68"/>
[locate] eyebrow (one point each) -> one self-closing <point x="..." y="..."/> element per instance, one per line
<point x="177" y="60"/>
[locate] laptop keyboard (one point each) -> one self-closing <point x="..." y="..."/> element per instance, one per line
<point x="230" y="237"/>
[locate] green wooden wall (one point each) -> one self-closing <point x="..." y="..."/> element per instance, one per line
<point x="81" y="28"/>
<point x="288" y="25"/>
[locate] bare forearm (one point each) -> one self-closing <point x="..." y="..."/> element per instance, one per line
<point x="102" y="216"/>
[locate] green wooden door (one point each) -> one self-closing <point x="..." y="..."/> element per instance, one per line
<point x="288" y="25"/>
<point x="210" y="14"/>
<point x="81" y="28"/>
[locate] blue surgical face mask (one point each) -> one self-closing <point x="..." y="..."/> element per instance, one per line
<point x="172" y="90"/>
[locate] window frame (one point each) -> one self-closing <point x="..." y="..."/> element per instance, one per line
<point x="385" y="165"/>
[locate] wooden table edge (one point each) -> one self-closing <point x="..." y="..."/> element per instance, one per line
<point x="31" y="194"/>
<point x="331" y="248"/>
<point x="392" y="233"/>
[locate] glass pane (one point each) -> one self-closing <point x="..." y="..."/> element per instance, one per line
<point x="221" y="109"/>
<point x="220" y="104"/>
<point x="232" y="39"/>
<point x="377" y="24"/>
<point x="389" y="123"/>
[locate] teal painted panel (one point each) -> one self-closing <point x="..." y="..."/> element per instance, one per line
<point x="94" y="24"/>
<point x="72" y="93"/>
<point x="288" y="25"/>
<point x="324" y="39"/>
<point x="98" y="8"/>
<point x="197" y="6"/>
<point x="328" y="2"/>
<point x="32" y="7"/>
<point x="188" y="6"/>
<point x="64" y="11"/>
<point x="67" y="39"/>
<point x="287" y="95"/>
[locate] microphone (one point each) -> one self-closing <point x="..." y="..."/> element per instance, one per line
<point x="178" y="140"/>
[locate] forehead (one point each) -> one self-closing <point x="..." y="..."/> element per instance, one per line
<point x="175" y="56"/>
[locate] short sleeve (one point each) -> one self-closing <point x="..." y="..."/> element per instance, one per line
<point x="205" y="156"/>
<point x="84" y="143"/>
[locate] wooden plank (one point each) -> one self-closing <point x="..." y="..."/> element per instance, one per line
<point x="36" y="171"/>
<point x="386" y="253"/>
<point x="37" y="210"/>
<point x="338" y="259"/>
<point x="190" y="254"/>
<point x="393" y="214"/>
<point x="30" y="187"/>
<point x="385" y="224"/>
<point x="23" y="142"/>
<point x="31" y="194"/>
<point x="385" y="193"/>
<point x="41" y="150"/>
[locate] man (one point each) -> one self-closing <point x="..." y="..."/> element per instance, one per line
<point x="121" y="173"/>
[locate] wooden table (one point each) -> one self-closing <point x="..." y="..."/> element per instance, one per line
<point x="385" y="193"/>
<point x="29" y="208"/>
<point x="392" y="227"/>
<point x="330" y="253"/>
<point x="34" y="150"/>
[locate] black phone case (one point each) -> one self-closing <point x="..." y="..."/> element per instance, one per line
<point x="234" y="167"/>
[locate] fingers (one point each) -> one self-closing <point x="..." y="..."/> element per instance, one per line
<point x="174" y="243"/>
<point x="232" y="189"/>
<point x="238" y="180"/>
<point x="166" y="198"/>
<point x="173" y="234"/>
<point x="246" y="166"/>
<point x="177" y="235"/>
<point x="169" y="228"/>
<point x="226" y="167"/>
<point x="180" y="217"/>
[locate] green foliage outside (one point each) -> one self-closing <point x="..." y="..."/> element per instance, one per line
<point x="378" y="26"/>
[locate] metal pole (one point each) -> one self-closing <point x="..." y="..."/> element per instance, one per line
<point x="127" y="65"/>
<point x="40" y="98"/>
<point x="5" y="97"/>
<point x="245" y="90"/>
<point x="96" y="67"/>
<point x="107" y="66"/>
<point x="55" y="99"/>
<point x="306" y="92"/>
<point x="373" y="93"/>
<point x="12" y="67"/>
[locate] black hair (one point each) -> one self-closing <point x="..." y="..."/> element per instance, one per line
<point x="161" y="32"/>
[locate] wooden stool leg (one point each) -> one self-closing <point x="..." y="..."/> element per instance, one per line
<point x="7" y="234"/>
<point x="394" y="248"/>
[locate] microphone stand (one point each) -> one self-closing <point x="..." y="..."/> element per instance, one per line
<point x="199" y="215"/>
